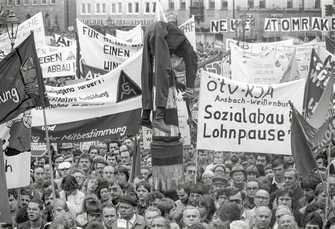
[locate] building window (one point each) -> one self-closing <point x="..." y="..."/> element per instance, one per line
<point x="119" y="7"/>
<point x="10" y="2"/>
<point x="289" y="4"/>
<point x="224" y="4"/>
<point x="97" y="8"/>
<point x="171" y="4"/>
<point x="88" y="8"/>
<point x="262" y="4"/>
<point x="104" y="8"/>
<point x="36" y="2"/>
<point x="211" y="4"/>
<point x="44" y="2"/>
<point x="130" y="7"/>
<point x="147" y="7"/>
<point x="52" y="1"/>
<point x="136" y="7"/>
<point x="154" y="7"/>
<point x="113" y="8"/>
<point x="317" y="4"/>
<point x="25" y="2"/>
<point x="251" y="4"/>
<point x="83" y="8"/>
<point x="182" y="4"/>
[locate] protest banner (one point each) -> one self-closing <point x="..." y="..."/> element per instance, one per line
<point x="188" y="27"/>
<point x="259" y="46"/>
<point x="267" y="67"/>
<point x="58" y="61"/>
<point x="240" y="117"/>
<point x="103" y="51"/>
<point x="73" y="113"/>
<point x="227" y="25"/>
<point x="299" y="24"/>
<point x="17" y="170"/>
<point x="134" y="35"/>
<point x="147" y="137"/>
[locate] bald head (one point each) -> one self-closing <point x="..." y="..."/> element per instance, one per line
<point x="262" y="198"/>
<point x="262" y="217"/>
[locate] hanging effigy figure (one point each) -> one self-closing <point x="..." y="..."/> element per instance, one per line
<point x="161" y="40"/>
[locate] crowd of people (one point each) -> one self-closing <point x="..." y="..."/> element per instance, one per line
<point x="96" y="189"/>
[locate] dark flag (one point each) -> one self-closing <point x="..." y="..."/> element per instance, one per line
<point x="317" y="80"/>
<point x="301" y="148"/>
<point x="21" y="86"/>
<point x="330" y="45"/>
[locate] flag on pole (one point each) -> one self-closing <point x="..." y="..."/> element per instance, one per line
<point x="305" y="162"/>
<point x="21" y="85"/>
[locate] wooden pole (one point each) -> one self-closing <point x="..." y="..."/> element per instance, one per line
<point x="49" y="153"/>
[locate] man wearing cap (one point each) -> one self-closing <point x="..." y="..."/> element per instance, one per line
<point x="238" y="176"/>
<point x="219" y="182"/>
<point x="126" y="209"/>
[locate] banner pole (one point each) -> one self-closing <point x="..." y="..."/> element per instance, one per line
<point x="327" y="185"/>
<point x="49" y="153"/>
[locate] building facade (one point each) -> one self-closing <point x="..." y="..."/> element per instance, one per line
<point x="59" y="15"/>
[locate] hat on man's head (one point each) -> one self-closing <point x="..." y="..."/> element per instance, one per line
<point x="128" y="199"/>
<point x="219" y="180"/>
<point x="93" y="207"/>
<point x="237" y="168"/>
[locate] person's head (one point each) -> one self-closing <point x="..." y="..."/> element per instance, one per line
<point x="64" y="168"/>
<point x="250" y="159"/>
<point x="59" y="207"/>
<point x="237" y="197"/>
<point x="125" y="156"/>
<point x="34" y="210"/>
<point x="112" y="159"/>
<point x="191" y="215"/>
<point x="321" y="161"/>
<point x="262" y="217"/>
<point x="308" y="185"/>
<point x="145" y="172"/>
<point x="108" y="173"/>
<point x="69" y="184"/>
<point x="84" y="162"/>
<point x="287" y="222"/>
<point x="281" y="211"/>
<point x="142" y="189"/>
<point x="290" y="178"/>
<point x="227" y="213"/>
<point x="218" y="157"/>
<point x="206" y="208"/>
<point x="288" y="160"/>
<point x="130" y="144"/>
<point x="93" y="151"/>
<point x="262" y="198"/>
<point x="238" y="174"/>
<point x="93" y="209"/>
<point x="116" y="191"/>
<point x="39" y="174"/>
<point x="126" y="206"/>
<point x="320" y="193"/>
<point x="99" y="164"/>
<point x="24" y="197"/>
<point x="261" y="160"/>
<point x="284" y="197"/>
<point x="190" y="172"/>
<point x="182" y="193"/>
<point x="79" y="175"/>
<point x="12" y="198"/>
<point x="252" y="187"/>
<point x="150" y="213"/>
<point x="314" y="221"/>
<point x="278" y="168"/>
<point x="91" y="184"/>
<point x="221" y="196"/>
<point x="109" y="215"/>
<point x="58" y="159"/>
<point x="122" y="175"/>
<point x="48" y="197"/>
<point x="252" y="173"/>
<point x="268" y="171"/>
<point x="160" y="222"/>
<point x="196" y="192"/>
<point x="207" y="177"/>
<point x="103" y="191"/>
